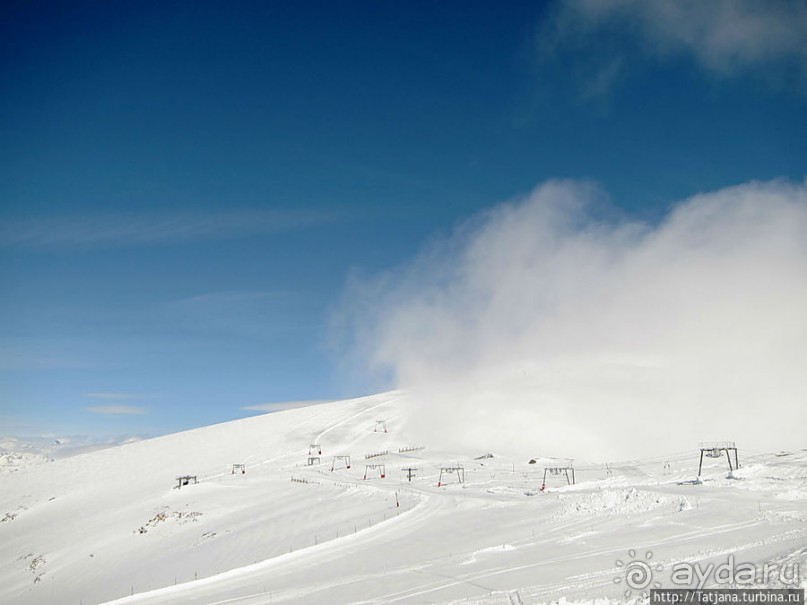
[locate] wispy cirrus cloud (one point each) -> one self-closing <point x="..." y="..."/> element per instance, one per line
<point x="229" y="298"/>
<point x="283" y="405"/>
<point x="49" y="354"/>
<point x="113" y="407"/>
<point x="113" y="396"/>
<point x="251" y="314"/>
<point x="137" y="229"/>
<point x="116" y="410"/>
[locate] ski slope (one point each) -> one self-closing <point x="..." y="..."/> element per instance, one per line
<point x="111" y="526"/>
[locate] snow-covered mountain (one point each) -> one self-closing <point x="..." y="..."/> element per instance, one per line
<point x="18" y="453"/>
<point x="298" y="526"/>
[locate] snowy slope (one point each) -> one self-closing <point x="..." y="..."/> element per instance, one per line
<point x="111" y="525"/>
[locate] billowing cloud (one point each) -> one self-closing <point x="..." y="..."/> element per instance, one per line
<point x="544" y="327"/>
<point x="725" y="37"/>
<point x="116" y="410"/>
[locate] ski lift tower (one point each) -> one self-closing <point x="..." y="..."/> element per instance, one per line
<point x="557" y="469"/>
<point x="344" y="460"/>
<point x="380" y="426"/>
<point x="715" y="449"/>
<point x="452" y="470"/>
<point x="186" y="480"/>
<point x="410" y="472"/>
<point x="381" y="468"/>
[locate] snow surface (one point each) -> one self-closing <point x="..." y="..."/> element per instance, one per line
<point x="16" y="453"/>
<point x="111" y="525"/>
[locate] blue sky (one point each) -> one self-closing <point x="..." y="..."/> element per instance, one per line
<point x="187" y="188"/>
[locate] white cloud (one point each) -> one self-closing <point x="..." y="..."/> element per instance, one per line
<point x="724" y="36"/>
<point x="23" y="353"/>
<point x="116" y="409"/>
<point x="242" y="314"/>
<point x="131" y="229"/>
<point x="110" y="395"/>
<point x="284" y="405"/>
<point x="539" y="328"/>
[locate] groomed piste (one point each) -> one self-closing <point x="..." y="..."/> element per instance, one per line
<point x="320" y="505"/>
